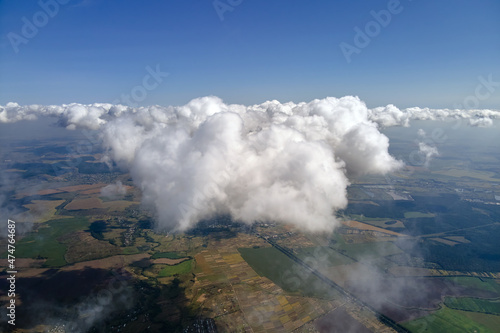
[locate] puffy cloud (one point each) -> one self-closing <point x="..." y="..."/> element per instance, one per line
<point x="428" y="152"/>
<point x="93" y="116"/>
<point x="114" y="191"/>
<point x="277" y="162"/>
<point x="425" y="150"/>
<point x="71" y="116"/>
<point x="481" y="122"/>
<point x="392" y="116"/>
<point x="283" y="162"/>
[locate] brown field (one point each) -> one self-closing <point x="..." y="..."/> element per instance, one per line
<point x="98" y="189"/>
<point x="364" y="226"/>
<point x="113" y="262"/>
<point x="202" y="264"/>
<point x="77" y="188"/>
<point x="24" y="263"/>
<point x="170" y="262"/>
<point x="118" y="205"/>
<point x="444" y="241"/>
<point x="73" y="188"/>
<point x="83" y="247"/>
<point x="31" y="272"/>
<point x="48" y="191"/>
<point x="92" y="191"/>
<point x="87" y="203"/>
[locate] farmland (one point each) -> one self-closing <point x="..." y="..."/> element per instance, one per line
<point x="42" y="210"/>
<point x="449" y="320"/>
<point x="47" y="242"/>
<point x="421" y="254"/>
<point x="280" y="269"/>
<point x="473" y="304"/>
<point x="181" y="268"/>
<point x="479" y="283"/>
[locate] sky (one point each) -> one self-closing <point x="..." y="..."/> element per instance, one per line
<point x="426" y="53"/>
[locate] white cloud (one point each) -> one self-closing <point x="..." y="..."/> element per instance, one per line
<point x="481" y="122"/>
<point x="114" y="191"/>
<point x="272" y="162"/>
<point x="427" y="151"/>
<point x="392" y="116"/>
<point x="282" y="162"/>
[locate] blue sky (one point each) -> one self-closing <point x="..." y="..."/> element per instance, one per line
<point x="430" y="54"/>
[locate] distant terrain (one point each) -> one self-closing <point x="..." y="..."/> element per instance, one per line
<point x="416" y="251"/>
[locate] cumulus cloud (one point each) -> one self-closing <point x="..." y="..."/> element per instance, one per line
<point x="392" y="116"/>
<point x="93" y="116"/>
<point x="114" y="191"/>
<point x="481" y="122"/>
<point x="282" y="162"/>
<point x="428" y="152"/>
<point x="425" y="150"/>
<point x="71" y="116"/>
<point x="286" y="163"/>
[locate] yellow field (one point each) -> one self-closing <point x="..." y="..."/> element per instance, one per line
<point x="483" y="175"/>
<point x="444" y="241"/>
<point x="39" y="211"/>
<point x="87" y="203"/>
<point x="364" y="226"/>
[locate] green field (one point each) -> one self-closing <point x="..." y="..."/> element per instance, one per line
<point x="367" y="250"/>
<point x="287" y="274"/>
<point x="362" y="218"/>
<point x="449" y="321"/>
<point x="473" y="304"/>
<point x="168" y="255"/>
<point x="323" y="255"/>
<point x="182" y="268"/>
<point x="473" y="282"/>
<point x="130" y="250"/>
<point x="492" y="322"/>
<point x="45" y="243"/>
<point x="411" y="215"/>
